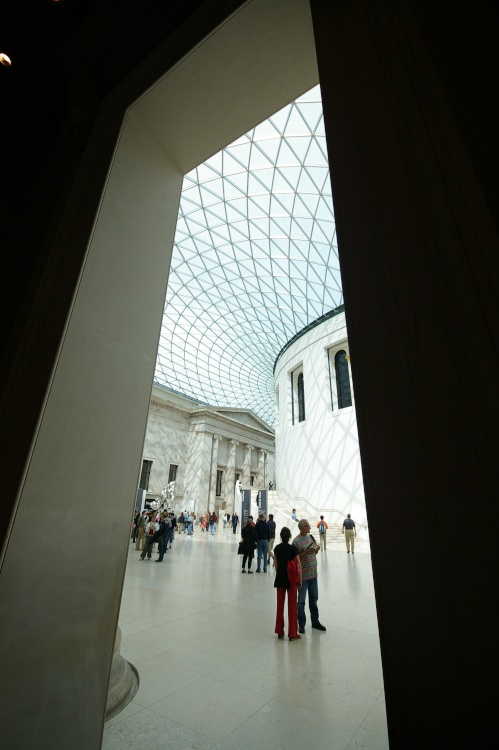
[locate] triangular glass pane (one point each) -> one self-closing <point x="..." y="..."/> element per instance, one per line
<point x="311" y="112"/>
<point x="206" y="173"/>
<point x="282" y="204"/>
<point x="286" y="157"/>
<point x="279" y="119"/>
<point x="265" y="130"/>
<point x="296" y="125"/>
<point x="270" y="148"/>
<point x="230" y="164"/>
<point x="305" y="185"/>
<point x="261" y="181"/>
<point x="286" y="179"/>
<point x="299" y="145"/>
<point x="241" y="153"/>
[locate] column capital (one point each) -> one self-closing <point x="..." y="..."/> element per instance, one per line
<point x="234" y="442"/>
<point x="217" y="437"/>
<point x="249" y="447"/>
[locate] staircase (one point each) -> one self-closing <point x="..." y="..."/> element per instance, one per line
<point x="281" y="505"/>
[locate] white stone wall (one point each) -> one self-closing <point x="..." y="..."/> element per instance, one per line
<point x="201" y="440"/>
<point x="318" y="460"/>
<point x="166" y="443"/>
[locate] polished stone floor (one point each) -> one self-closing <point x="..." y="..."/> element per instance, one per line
<point x="214" y="676"/>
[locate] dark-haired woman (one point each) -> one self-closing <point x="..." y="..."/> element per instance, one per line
<point x="282" y="554"/>
<point x="249" y="538"/>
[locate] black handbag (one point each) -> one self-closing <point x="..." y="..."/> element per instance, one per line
<point x="240" y="549"/>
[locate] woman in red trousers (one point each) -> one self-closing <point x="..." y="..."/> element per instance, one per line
<point x="282" y="554"/>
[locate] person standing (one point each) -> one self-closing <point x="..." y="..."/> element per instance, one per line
<point x="350" y="533"/>
<point x="308" y="549"/>
<point x="213" y="522"/>
<point x="282" y="554"/>
<point x="141" y="530"/>
<point x="293" y="515"/>
<point x="173" y="526"/>
<point x="323" y="527"/>
<point x="135" y="525"/>
<point x="249" y="541"/>
<point x="163" y="535"/>
<point x="272" y="527"/>
<point x="263" y="535"/>
<point x="235" y="521"/>
<point x="151" y="528"/>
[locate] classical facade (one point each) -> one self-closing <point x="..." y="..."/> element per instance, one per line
<point x="204" y="450"/>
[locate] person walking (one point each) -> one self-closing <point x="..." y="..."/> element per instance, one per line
<point x="282" y="554"/>
<point x="249" y="542"/>
<point x="263" y="534"/>
<point x="235" y="521"/>
<point x="323" y="527"/>
<point x="350" y="533"/>
<point x="308" y="549"/>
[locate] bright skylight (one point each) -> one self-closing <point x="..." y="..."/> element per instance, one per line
<point x="254" y="261"/>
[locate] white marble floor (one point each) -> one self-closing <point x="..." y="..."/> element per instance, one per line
<point x="214" y="676"/>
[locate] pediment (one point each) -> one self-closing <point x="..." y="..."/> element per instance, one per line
<point x="244" y="416"/>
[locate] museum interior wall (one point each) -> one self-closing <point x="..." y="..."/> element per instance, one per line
<point x="318" y="457"/>
<point x="210" y="447"/>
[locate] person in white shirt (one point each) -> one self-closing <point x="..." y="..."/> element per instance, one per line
<point x="151" y="528"/>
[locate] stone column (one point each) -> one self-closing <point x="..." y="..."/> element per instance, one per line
<point x="197" y="475"/>
<point x="245" y="479"/>
<point x="260" y="477"/>
<point x="229" y="478"/>
<point x="123" y="681"/>
<point x="213" y="477"/>
<point x="270" y="472"/>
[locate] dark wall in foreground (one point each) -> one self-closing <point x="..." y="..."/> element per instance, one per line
<point x="411" y="138"/>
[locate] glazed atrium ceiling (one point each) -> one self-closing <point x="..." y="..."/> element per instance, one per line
<point x="254" y="261"/>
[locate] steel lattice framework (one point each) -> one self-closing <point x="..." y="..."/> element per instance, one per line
<point x="254" y="261"/>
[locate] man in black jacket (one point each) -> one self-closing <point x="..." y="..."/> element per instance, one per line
<point x="263" y="534"/>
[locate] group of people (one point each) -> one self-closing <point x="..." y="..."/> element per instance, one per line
<point x="186" y="521"/>
<point x="208" y="521"/>
<point x="295" y="566"/>
<point x="259" y="536"/>
<point x="148" y="528"/>
<point x="348" y="529"/>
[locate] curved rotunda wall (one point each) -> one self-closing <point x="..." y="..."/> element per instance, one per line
<point x="318" y="460"/>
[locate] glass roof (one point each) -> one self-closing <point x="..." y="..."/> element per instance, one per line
<point x="254" y="260"/>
